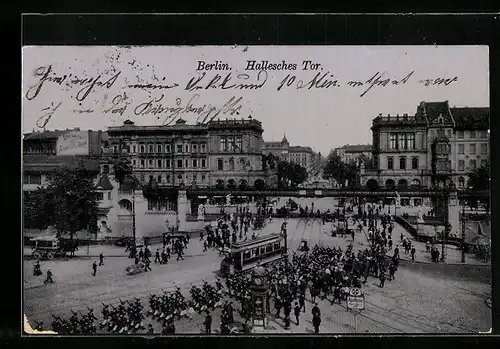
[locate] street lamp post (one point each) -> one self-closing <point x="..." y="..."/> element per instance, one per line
<point x="463" y="231"/>
<point x="133" y="216"/>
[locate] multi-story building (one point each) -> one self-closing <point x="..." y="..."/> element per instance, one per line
<point x="219" y="153"/>
<point x="436" y="146"/>
<point x="349" y="152"/>
<point x="301" y="155"/>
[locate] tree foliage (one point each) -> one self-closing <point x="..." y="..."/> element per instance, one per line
<point x="479" y="179"/>
<point x="69" y="203"/>
<point x="290" y="173"/>
<point x="336" y="169"/>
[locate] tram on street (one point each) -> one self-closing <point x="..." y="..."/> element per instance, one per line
<point x="245" y="255"/>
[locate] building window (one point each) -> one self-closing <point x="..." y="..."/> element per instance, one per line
<point x="203" y="147"/>
<point x="460" y="134"/>
<point x="159" y="163"/>
<point x="167" y="163"/>
<point x="472" y="148"/>
<point x="142" y="163"/>
<point x="411" y="141"/>
<point x="142" y="178"/>
<point x="402" y="163"/>
<point x="186" y="148"/>
<point x="203" y="178"/>
<point x="203" y="163"/>
<point x="194" y="147"/>
<point x="150" y="163"/>
<point x="110" y="196"/>
<point x="179" y="148"/>
<point x="186" y="163"/>
<point x="472" y="164"/>
<point x="105" y="169"/>
<point x="150" y="178"/>
<point x="440" y="132"/>
<point x="401" y="141"/>
<point x="100" y="196"/>
<point x="484" y="162"/>
<point x="115" y="149"/>
<point x="230" y="143"/>
<point x="231" y="164"/>
<point x="239" y="143"/>
<point x="150" y="149"/>
<point x="390" y="163"/>
<point x="393" y="141"/>
<point x="223" y="144"/>
<point x="414" y="163"/>
<point x="134" y="162"/>
<point x="158" y="148"/>
<point x="168" y="178"/>
<point x="484" y="148"/>
<point x="195" y="163"/>
<point x="134" y="149"/>
<point x="179" y="163"/>
<point x="167" y="148"/>
<point x="32" y="179"/>
<point x="484" y="134"/>
<point x="448" y="133"/>
<point x="220" y="165"/>
<point x="461" y="148"/>
<point x="472" y="134"/>
<point x="461" y="182"/>
<point x="159" y="178"/>
<point x="461" y="165"/>
<point x="141" y="148"/>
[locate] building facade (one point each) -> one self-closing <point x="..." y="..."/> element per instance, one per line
<point x="348" y="153"/>
<point x="301" y="155"/>
<point x="437" y="146"/>
<point x="220" y="153"/>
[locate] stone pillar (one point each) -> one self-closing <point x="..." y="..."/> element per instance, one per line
<point x="454" y="213"/>
<point x="183" y="208"/>
<point x="140" y="206"/>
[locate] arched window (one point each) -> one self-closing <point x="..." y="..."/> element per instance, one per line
<point x="390" y="163"/>
<point x="125" y="205"/>
<point x="402" y="184"/>
<point x="461" y="182"/>
<point x="414" y="163"/>
<point x="231" y="164"/>
<point x="402" y="163"/>
<point x="371" y="184"/>
<point x="390" y="183"/>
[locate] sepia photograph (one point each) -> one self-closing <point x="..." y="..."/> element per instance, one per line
<point x="237" y="190"/>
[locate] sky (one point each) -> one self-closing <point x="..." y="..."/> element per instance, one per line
<point x="320" y="117"/>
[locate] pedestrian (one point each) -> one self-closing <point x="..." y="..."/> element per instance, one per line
<point x="179" y="255"/>
<point x="94" y="267"/>
<point x="382" y="278"/>
<point x="141" y="254"/>
<point x="208" y="323"/>
<point x="150" y="329"/>
<point x="137" y="260"/>
<point x="316" y="318"/>
<point x="413" y="253"/>
<point x="277" y="306"/>
<point x="390" y="243"/>
<point x="147" y="262"/>
<point x="296" y="311"/>
<point x="49" y="278"/>
<point x="392" y="270"/>
<point x="230" y="313"/>
<point x="157" y="256"/>
<point x="302" y="302"/>
<point x="205" y="246"/>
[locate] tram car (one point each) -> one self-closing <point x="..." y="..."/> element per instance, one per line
<point x="244" y="256"/>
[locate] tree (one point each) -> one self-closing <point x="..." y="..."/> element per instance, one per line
<point x="69" y="203"/>
<point x="336" y="169"/>
<point x="479" y="179"/>
<point x="289" y="172"/>
<point x="269" y="161"/>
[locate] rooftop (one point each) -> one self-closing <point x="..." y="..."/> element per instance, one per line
<point x="48" y="163"/>
<point x="357" y="148"/>
<point x="300" y="149"/>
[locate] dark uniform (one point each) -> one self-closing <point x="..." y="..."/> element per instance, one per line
<point x="296" y="311"/>
<point x="94" y="267"/>
<point x="101" y="259"/>
<point x="157" y="257"/>
<point x="316" y="318"/>
<point x="147" y="262"/>
<point x="208" y="323"/>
